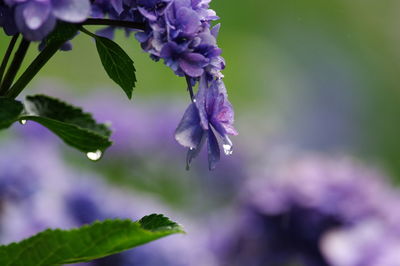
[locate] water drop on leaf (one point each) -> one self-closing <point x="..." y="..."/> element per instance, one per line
<point x="94" y="156"/>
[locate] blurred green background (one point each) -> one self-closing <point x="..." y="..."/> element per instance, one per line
<point x="327" y="73"/>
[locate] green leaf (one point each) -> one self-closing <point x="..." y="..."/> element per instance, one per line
<point x="54" y="247"/>
<point x="10" y="110"/>
<point x="118" y="65"/>
<point x="71" y="124"/>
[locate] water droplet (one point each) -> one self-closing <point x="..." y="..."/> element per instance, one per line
<point x="228" y="149"/>
<point x="194" y="100"/>
<point x="22" y="122"/>
<point x="94" y="156"/>
<point x="191" y="148"/>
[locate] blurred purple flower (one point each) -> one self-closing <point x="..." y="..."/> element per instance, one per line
<point x="308" y="212"/>
<point x="41" y="191"/>
<point x="35" y="19"/>
<point x="210" y="113"/>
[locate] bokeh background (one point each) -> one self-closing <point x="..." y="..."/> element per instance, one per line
<point x="310" y="76"/>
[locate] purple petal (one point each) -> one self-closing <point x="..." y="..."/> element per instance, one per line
<point x="201" y="102"/>
<point x="183" y="3"/>
<point x="221" y="110"/>
<point x="35" y="14"/>
<point x="213" y="150"/>
<point x="150" y="15"/>
<point x="192" y="153"/>
<point x="117" y="5"/>
<point x="192" y="64"/>
<point x="71" y="10"/>
<point x="189" y="132"/>
<point x="170" y="50"/>
<point x="215" y="30"/>
<point x="187" y="20"/>
<point x="142" y="36"/>
<point x="37" y="34"/>
<point x="223" y="117"/>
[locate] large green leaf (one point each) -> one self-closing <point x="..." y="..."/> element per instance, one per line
<point x="10" y="110"/>
<point x="71" y="124"/>
<point x="118" y="65"/>
<point x="54" y="247"/>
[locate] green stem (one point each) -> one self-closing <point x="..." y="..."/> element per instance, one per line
<point x="190" y="88"/>
<point x="115" y="23"/>
<point x="82" y="29"/>
<point x="15" y="66"/>
<point x="7" y="55"/>
<point x="34" y="68"/>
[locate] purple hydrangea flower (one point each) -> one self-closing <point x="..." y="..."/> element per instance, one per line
<point x="152" y="9"/>
<point x="210" y="113"/>
<point x="315" y="211"/>
<point x="176" y="31"/>
<point x="35" y="19"/>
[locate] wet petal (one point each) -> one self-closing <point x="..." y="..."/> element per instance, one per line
<point x="201" y="102"/>
<point x="213" y="150"/>
<point x="192" y="153"/>
<point x="189" y="132"/>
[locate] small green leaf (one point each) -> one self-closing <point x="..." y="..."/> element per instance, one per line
<point x="10" y="110"/>
<point x="54" y="247"/>
<point x="71" y="124"/>
<point x="118" y="65"/>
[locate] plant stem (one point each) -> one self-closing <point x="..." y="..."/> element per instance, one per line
<point x="15" y="66"/>
<point x="34" y="68"/>
<point x="116" y="23"/>
<point x="82" y="29"/>
<point x="7" y="55"/>
<point x="190" y="88"/>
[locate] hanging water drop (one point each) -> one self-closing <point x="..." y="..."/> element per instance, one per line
<point x="22" y="121"/>
<point x="228" y="149"/>
<point x="191" y="148"/>
<point x="94" y="156"/>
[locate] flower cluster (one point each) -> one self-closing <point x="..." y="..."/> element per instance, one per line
<point x="180" y="33"/>
<point x="35" y="19"/>
<point x="315" y="211"/>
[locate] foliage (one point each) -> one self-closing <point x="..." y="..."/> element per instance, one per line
<point x="100" y="239"/>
